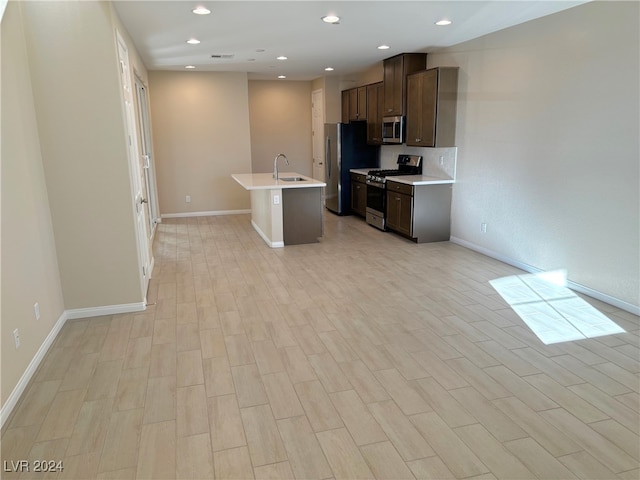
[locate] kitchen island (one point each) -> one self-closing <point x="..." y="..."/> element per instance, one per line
<point x="287" y="211"/>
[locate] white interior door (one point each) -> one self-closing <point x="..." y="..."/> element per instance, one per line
<point x="146" y="157"/>
<point x="135" y="169"/>
<point x="317" y="130"/>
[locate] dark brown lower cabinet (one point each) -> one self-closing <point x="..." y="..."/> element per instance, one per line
<point x="400" y="208"/>
<point x="358" y="194"/>
<point x="421" y="213"/>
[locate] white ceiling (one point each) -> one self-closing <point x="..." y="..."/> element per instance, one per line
<point x="160" y="30"/>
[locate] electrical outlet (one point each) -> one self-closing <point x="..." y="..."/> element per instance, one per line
<point x="36" y="310"/>
<point x="16" y="338"/>
<point x="483" y="227"/>
<point x="276" y="199"/>
<point x="187" y="199"/>
<point x="441" y="160"/>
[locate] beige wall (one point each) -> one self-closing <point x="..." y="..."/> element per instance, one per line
<point x="547" y="142"/>
<point x="208" y="126"/>
<point x="280" y="114"/>
<point x="29" y="265"/>
<point x="330" y="86"/>
<point x="137" y="65"/>
<point x="373" y="74"/>
<point x="76" y="87"/>
<point x="201" y="137"/>
<point x="68" y="234"/>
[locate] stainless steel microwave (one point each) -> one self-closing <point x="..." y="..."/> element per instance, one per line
<point x="393" y="129"/>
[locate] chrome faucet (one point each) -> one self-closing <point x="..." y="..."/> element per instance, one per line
<point x="275" y="164"/>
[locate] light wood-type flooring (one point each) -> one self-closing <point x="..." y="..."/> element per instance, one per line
<point x="363" y="356"/>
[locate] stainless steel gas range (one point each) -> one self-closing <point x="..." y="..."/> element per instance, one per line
<point x="377" y="187"/>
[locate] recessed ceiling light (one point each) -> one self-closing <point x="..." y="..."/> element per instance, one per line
<point x="443" y="22"/>
<point x="329" y="69"/>
<point x="282" y="76"/>
<point x="331" y="19"/>
<point x="201" y="11"/>
<point x="383" y="47"/>
<point x="190" y="67"/>
<point x="193" y="41"/>
<point x="281" y="57"/>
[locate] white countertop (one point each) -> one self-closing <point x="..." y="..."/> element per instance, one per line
<point x="265" y="181"/>
<point x="409" y="179"/>
<point x="419" y="180"/>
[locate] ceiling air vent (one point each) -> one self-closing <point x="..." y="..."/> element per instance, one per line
<point x="223" y="56"/>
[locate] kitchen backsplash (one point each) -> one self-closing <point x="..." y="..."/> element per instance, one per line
<point x="430" y="159"/>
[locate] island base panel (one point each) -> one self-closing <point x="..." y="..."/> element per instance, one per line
<point x="302" y="215"/>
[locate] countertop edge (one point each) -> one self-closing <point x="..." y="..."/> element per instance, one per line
<point x="422" y="181"/>
<point x="265" y="181"/>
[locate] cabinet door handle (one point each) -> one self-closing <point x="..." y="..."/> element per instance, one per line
<point x="418" y="139"/>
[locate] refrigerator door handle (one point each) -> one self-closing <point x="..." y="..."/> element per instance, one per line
<point x="327" y="156"/>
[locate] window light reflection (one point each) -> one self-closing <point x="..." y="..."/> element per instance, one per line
<point x="552" y="311"/>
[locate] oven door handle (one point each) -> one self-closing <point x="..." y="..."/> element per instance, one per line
<point x="376" y="184"/>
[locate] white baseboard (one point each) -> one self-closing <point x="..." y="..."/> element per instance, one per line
<point x="603" y="297"/>
<point x="108" y="310"/>
<point x="264" y="236"/>
<point x="75" y="313"/>
<point x="205" y="214"/>
<point x="19" y="389"/>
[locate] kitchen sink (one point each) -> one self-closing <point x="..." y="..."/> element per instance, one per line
<point x="293" y="179"/>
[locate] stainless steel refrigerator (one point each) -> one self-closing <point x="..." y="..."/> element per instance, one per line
<point x="345" y="148"/>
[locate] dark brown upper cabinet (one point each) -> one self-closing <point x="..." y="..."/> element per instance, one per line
<point x="345" y="106"/>
<point x="375" y="112"/>
<point x="354" y="104"/>
<point x="395" y="73"/>
<point x="431" y="107"/>
<point x="358" y="104"/>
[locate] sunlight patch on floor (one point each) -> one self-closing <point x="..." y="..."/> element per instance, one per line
<point x="552" y="311"/>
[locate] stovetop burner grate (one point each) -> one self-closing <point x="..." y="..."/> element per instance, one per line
<point x="387" y="173"/>
<point x="407" y="165"/>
